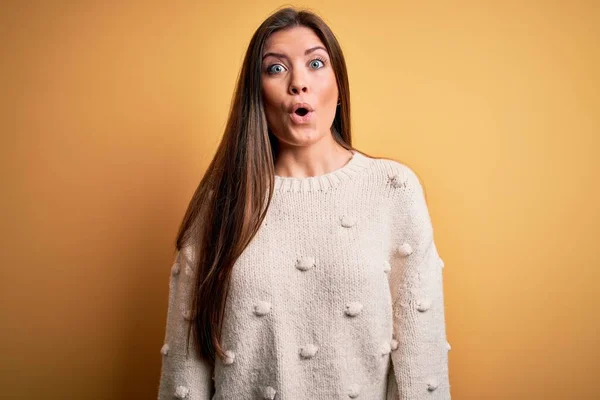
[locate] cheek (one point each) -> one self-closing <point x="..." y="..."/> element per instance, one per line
<point x="270" y="104"/>
<point x="332" y="91"/>
<point x="327" y="90"/>
<point x="270" y="98"/>
<point x="270" y="90"/>
<point x="328" y="93"/>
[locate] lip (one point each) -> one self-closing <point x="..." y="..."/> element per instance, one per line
<point x="296" y="106"/>
<point x="298" y="119"/>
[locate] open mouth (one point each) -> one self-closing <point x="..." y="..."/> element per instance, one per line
<point x="301" y="112"/>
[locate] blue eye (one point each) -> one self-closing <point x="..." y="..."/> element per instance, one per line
<point x="270" y="69"/>
<point x="320" y="60"/>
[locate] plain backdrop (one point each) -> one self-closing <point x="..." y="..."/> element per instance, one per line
<point x="111" y="112"/>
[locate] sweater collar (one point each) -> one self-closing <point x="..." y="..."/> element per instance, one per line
<point x="354" y="166"/>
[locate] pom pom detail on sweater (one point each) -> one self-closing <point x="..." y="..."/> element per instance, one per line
<point x="308" y="351"/>
<point x="181" y="392"/>
<point x="164" y="349"/>
<point x="394" y="344"/>
<point x="354" y="390"/>
<point x="385" y="348"/>
<point x="305" y="263"/>
<point x="405" y="249"/>
<point x="262" y="308"/>
<point x="353" y="309"/>
<point x="229" y="357"/>
<point x="175" y="268"/>
<point x="387" y="267"/>
<point x="348" y="221"/>
<point x="269" y="393"/>
<point x="424" y="305"/>
<point x="432" y="384"/>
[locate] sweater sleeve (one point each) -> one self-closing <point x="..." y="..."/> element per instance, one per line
<point x="420" y="348"/>
<point x="182" y="376"/>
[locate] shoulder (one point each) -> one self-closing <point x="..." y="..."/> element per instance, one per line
<point x="410" y="217"/>
<point x="395" y="173"/>
<point x="403" y="188"/>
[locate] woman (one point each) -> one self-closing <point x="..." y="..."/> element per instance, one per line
<point x="304" y="268"/>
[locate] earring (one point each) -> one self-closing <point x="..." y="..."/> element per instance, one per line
<point x="339" y="102"/>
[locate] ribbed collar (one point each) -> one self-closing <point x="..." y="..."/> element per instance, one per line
<point x="355" y="165"/>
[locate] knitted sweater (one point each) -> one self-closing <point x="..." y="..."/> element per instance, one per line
<point x="338" y="296"/>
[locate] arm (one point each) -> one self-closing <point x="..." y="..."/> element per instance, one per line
<point x="420" y="359"/>
<point x="182" y="377"/>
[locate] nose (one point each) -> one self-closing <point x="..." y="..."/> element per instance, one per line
<point x="297" y="84"/>
<point x="296" y="88"/>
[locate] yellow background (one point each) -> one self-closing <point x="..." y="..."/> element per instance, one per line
<point x="111" y="111"/>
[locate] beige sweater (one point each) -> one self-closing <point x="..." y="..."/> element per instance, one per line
<point x="338" y="296"/>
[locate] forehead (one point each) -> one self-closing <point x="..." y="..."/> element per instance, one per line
<point x="296" y="39"/>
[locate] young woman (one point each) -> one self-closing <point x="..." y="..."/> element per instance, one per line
<point x="304" y="269"/>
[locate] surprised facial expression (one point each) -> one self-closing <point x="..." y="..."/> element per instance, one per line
<point x="296" y="69"/>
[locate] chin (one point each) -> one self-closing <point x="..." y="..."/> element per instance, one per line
<point x="303" y="136"/>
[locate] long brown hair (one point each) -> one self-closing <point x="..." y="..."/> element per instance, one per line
<point x="234" y="194"/>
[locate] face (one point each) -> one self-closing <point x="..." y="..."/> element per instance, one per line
<point x="298" y="72"/>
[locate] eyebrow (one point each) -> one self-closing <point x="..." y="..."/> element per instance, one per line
<point x="284" y="56"/>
